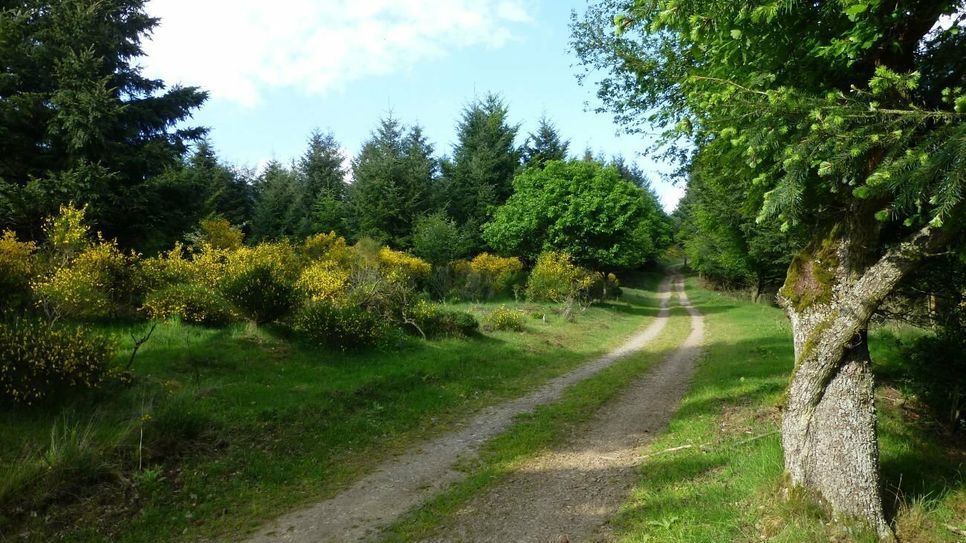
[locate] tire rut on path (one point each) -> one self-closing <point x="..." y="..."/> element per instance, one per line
<point x="570" y="493"/>
<point x="361" y="511"/>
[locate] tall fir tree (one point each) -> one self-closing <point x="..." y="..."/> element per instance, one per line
<point x="544" y="145"/>
<point x="79" y="121"/>
<point x="392" y="177"/>
<point x="479" y="177"/>
<point x="320" y="202"/>
<point x="276" y="190"/>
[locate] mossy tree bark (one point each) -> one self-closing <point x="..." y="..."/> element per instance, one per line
<point x="829" y="423"/>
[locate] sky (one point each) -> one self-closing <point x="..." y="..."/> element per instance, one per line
<point x="277" y="70"/>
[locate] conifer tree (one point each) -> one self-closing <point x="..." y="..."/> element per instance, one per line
<point x="479" y="177"/>
<point x="544" y="145"/>
<point x="79" y="121"/>
<point x="392" y="177"/>
<point x="277" y="192"/>
<point x="321" y="188"/>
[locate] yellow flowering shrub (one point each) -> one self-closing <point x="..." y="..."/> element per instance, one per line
<point x="37" y="360"/>
<point x="260" y="280"/>
<point x="403" y="267"/>
<point x="504" y="318"/>
<point x="67" y="232"/>
<point x="189" y="302"/>
<point x="497" y="274"/>
<point x="17" y="267"/>
<point x="208" y="266"/>
<point x="323" y="280"/>
<point x="331" y="247"/>
<point x="165" y="269"/>
<point x="555" y="278"/>
<point x="86" y="287"/>
<point x="218" y="233"/>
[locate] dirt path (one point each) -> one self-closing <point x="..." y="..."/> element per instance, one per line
<point x="570" y="494"/>
<point x="362" y="510"/>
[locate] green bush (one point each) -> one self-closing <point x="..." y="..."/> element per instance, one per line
<point x="191" y="303"/>
<point x="504" y="318"/>
<point x="555" y="278"/>
<point x="17" y="266"/>
<point x="937" y="373"/>
<point x="435" y="321"/>
<point x="37" y="360"/>
<point x="260" y="294"/>
<point x="341" y="326"/>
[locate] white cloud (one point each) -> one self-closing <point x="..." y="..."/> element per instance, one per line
<point x="237" y="49"/>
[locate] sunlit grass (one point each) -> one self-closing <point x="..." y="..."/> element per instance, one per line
<point x="234" y="426"/>
<point x="727" y="485"/>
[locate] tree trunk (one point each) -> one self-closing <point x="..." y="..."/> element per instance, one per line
<point x="829" y="423"/>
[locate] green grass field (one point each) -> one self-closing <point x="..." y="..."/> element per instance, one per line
<point x="726" y="483"/>
<point x="227" y="428"/>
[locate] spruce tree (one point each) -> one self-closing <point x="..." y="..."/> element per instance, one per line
<point x="392" y="177"/>
<point x="276" y="190"/>
<point x="544" y="145"/>
<point x="79" y="121"/>
<point x="321" y="186"/>
<point x="479" y="177"/>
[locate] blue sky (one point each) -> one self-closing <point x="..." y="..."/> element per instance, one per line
<point x="277" y="70"/>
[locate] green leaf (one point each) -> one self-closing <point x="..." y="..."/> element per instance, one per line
<point x="855" y="10"/>
<point x="882" y="215"/>
<point x="735" y="33"/>
<point x="862" y="192"/>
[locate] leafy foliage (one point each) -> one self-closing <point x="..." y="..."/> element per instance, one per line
<point x="582" y="208"/>
<point x="505" y="319"/>
<point x="38" y="360"/>
<point x="79" y="120"/>
<point x="189" y="302"/>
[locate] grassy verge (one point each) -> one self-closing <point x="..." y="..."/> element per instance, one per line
<point x="226" y="428"/>
<point x="539" y="431"/>
<point x="727" y="485"/>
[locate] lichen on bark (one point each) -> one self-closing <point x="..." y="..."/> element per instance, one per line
<point x="812" y="276"/>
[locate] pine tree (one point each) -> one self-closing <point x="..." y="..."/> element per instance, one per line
<point x="78" y="120"/>
<point x="392" y="178"/>
<point x="321" y="187"/>
<point x="276" y="190"/>
<point x="544" y="145"/>
<point x="479" y="177"/>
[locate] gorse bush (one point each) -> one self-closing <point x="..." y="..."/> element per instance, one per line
<point x="328" y="247"/>
<point x="323" y="280"/>
<point x="37" y="359"/>
<point x="260" y="281"/>
<point x="218" y="233"/>
<point x="402" y="267"/>
<point x="344" y="327"/>
<point x="88" y="286"/>
<point x="17" y="267"/>
<point x="497" y="275"/>
<point x="166" y="269"/>
<point x="434" y="321"/>
<point x="67" y="232"/>
<point x="189" y="302"/>
<point x="504" y="318"/>
<point x="555" y="278"/>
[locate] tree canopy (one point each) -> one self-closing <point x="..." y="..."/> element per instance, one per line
<point x="583" y="208"/>
<point x="79" y="121"/>
<point x="843" y="119"/>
